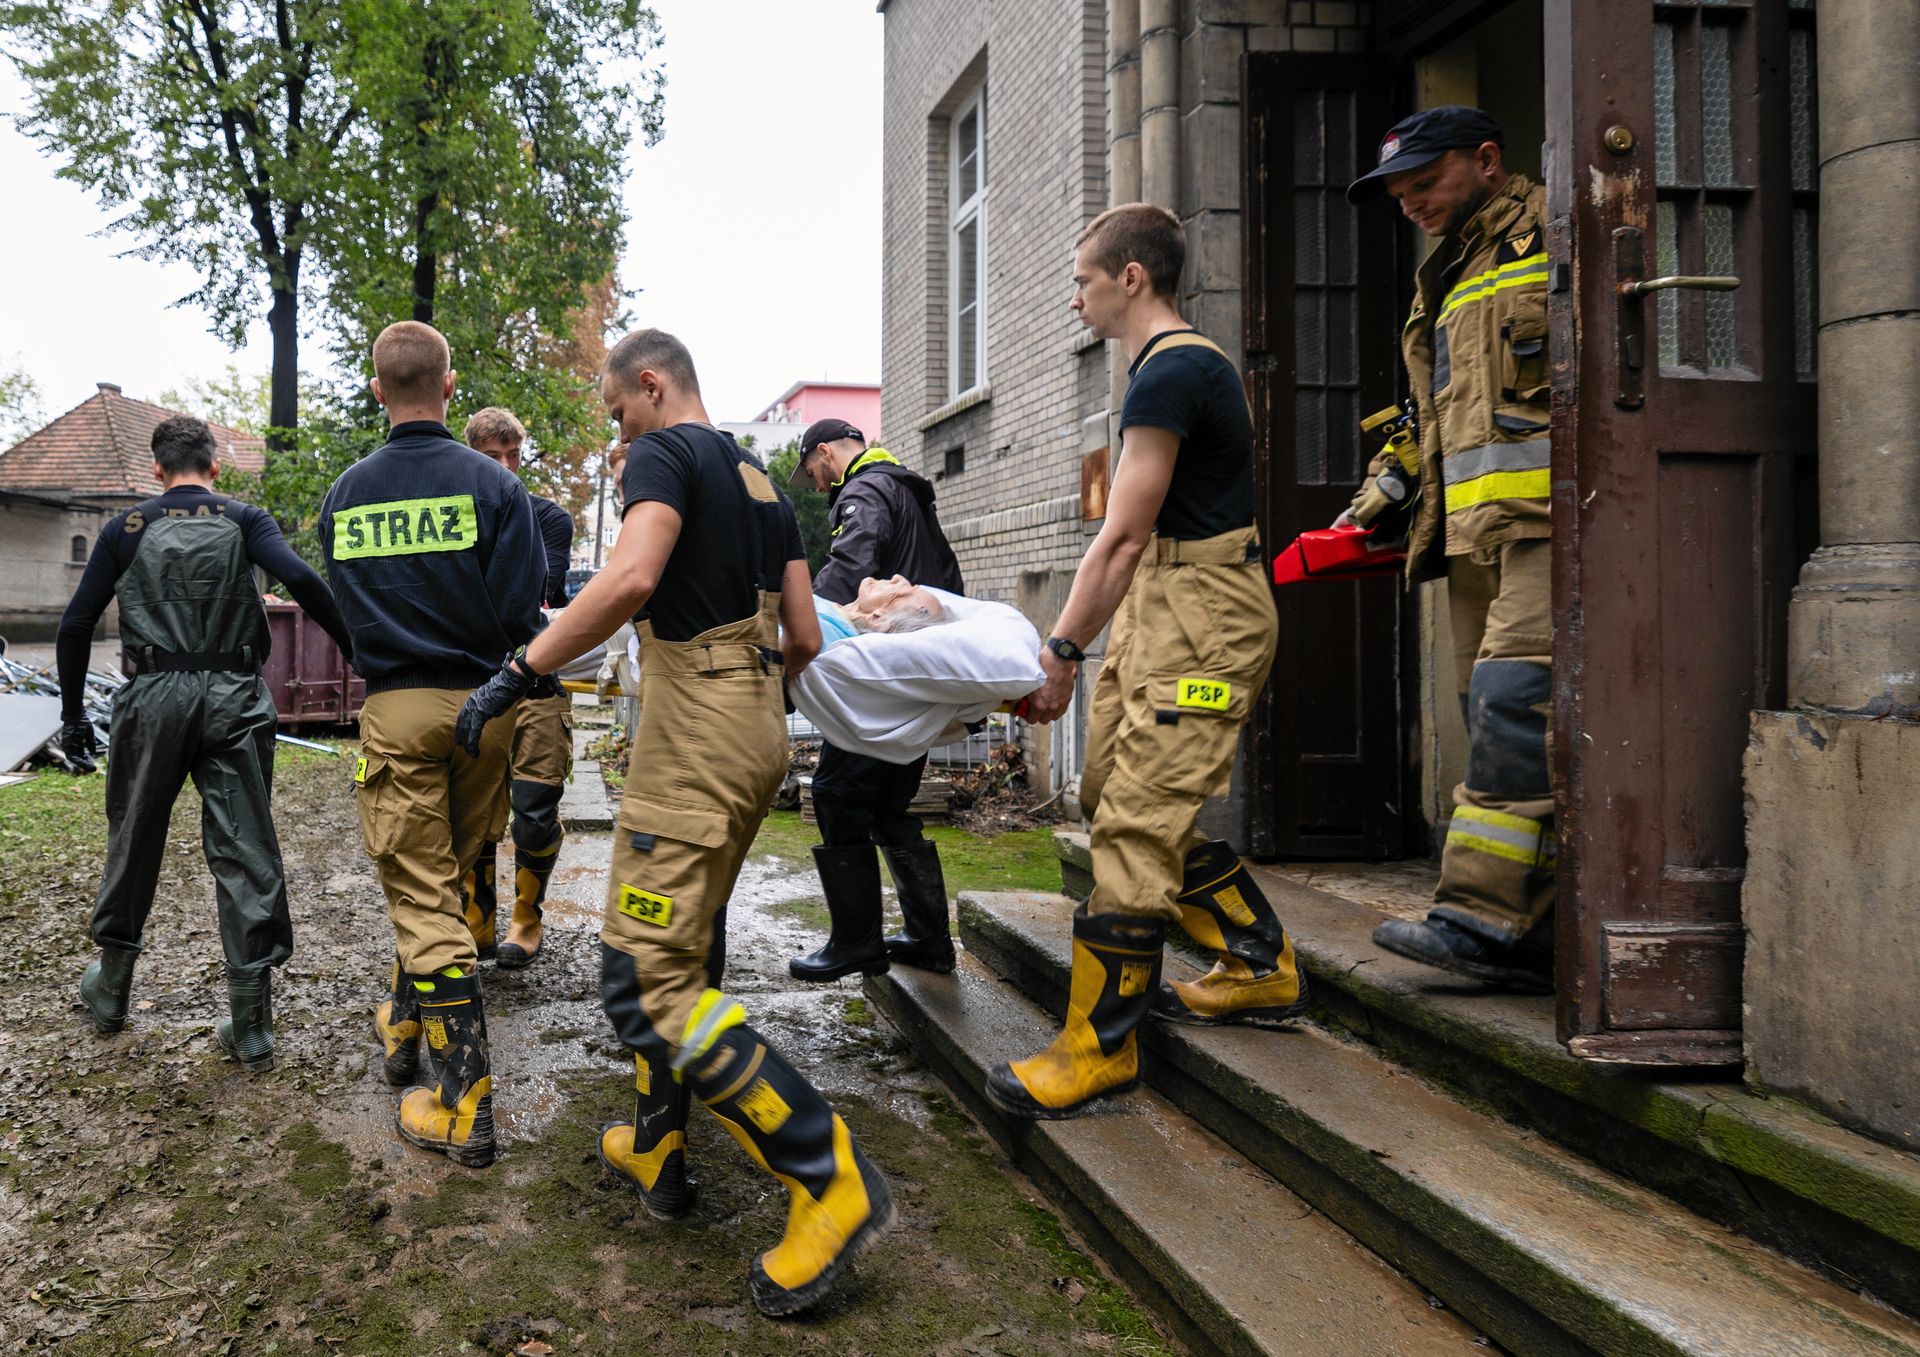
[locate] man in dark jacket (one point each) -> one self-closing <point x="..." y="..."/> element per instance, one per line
<point x="435" y="560"/>
<point x="195" y="635"/>
<point x="883" y="524"/>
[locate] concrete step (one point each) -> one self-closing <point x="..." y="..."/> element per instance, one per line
<point x="1785" y="1176"/>
<point x="1540" y="1248"/>
<point x="1232" y="1261"/>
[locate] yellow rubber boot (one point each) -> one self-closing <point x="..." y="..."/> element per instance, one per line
<point x="1255" y="980"/>
<point x="455" y="1117"/>
<point x="1116" y="968"/>
<point x="482" y="902"/>
<point x="396" y="1022"/>
<point x="837" y="1201"/>
<point x="532" y="870"/>
<point x="651" y="1151"/>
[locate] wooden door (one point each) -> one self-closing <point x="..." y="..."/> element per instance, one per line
<point x="1321" y="353"/>
<point x="1680" y="141"/>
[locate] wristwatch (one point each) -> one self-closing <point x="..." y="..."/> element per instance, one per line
<point x="1066" y="649"/>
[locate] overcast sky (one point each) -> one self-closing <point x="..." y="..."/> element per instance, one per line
<point x="753" y="227"/>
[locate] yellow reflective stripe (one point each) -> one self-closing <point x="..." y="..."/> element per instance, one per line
<point x="1532" y="269"/>
<point x="405" y="527"/>
<point x="713" y="1013"/>
<point x="1499" y="485"/>
<point x="1499" y="819"/>
<point x="1492" y="847"/>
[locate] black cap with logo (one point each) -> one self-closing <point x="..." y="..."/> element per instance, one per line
<point x="818" y="432"/>
<point x="1421" y="140"/>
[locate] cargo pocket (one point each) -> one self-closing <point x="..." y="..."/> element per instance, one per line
<point x="374" y="794"/>
<point x="1194" y="728"/>
<point x="1524" y="373"/>
<point x="665" y="861"/>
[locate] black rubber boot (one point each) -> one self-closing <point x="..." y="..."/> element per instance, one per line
<point x="247" y="1036"/>
<point x="837" y="1200"/>
<point x="482" y="901"/>
<point x="1255" y="980"/>
<point x="925" y="939"/>
<point x="850" y="876"/>
<point x="1116" y="969"/>
<point x="1437" y="942"/>
<point x="396" y="1022"/>
<point x="105" y="988"/>
<point x="651" y="1151"/>
<point x="455" y="1117"/>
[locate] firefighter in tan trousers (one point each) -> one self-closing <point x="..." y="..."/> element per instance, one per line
<point x="710" y="564"/>
<point x="1475" y="348"/>
<point x="433" y="558"/>
<point x="1177" y="568"/>
<point x="541" y="755"/>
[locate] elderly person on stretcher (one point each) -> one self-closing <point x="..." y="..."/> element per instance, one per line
<point x="904" y="668"/>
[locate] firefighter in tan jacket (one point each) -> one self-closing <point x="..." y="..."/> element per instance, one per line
<point x="1475" y="347"/>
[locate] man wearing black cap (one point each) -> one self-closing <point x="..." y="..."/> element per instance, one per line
<point x="882" y="522"/>
<point x="1475" y="347"/>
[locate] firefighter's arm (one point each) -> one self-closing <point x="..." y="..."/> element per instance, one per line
<point x="647" y="536"/>
<point x="799" y="623"/>
<point x="1139" y="491"/>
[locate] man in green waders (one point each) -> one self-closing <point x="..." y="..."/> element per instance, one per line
<point x="195" y="634"/>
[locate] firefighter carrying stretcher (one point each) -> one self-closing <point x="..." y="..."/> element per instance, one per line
<point x="710" y="565"/>
<point x="1178" y="570"/>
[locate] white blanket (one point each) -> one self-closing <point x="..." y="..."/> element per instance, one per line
<point x="894" y="697"/>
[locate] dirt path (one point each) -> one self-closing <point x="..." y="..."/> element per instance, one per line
<point x="155" y="1198"/>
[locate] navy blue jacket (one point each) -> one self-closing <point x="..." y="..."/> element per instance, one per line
<point x="434" y="559"/>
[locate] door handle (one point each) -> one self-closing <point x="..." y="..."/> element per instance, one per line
<point x="1699" y="282"/>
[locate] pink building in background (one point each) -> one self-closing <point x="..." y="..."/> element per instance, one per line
<point x="856" y="402"/>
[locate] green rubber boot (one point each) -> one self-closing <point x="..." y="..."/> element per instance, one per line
<point x="105" y="987"/>
<point x="247" y="1036"/>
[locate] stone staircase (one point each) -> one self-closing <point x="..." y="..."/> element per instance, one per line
<point x="1423" y="1167"/>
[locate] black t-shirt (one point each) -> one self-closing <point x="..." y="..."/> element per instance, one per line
<point x="730" y="545"/>
<point x="1195" y="393"/>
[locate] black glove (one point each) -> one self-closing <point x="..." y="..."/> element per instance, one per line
<point x="79" y="747"/>
<point x="492" y="698"/>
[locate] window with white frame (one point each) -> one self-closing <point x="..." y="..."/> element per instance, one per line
<point x="967" y="244"/>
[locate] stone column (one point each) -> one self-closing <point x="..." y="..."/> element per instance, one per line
<point x="1854" y="620"/>
<point x="1833" y="786"/>
<point x="1160" y="103"/>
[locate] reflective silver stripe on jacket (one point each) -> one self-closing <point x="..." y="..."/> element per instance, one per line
<point x="1471" y="463"/>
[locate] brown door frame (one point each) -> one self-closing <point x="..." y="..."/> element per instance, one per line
<point x="1674" y="507"/>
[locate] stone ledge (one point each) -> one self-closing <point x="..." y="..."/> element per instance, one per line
<point x="980" y="395"/>
<point x="1543" y="1250"/>
<point x="1765" y="1166"/>
<point x="1176" y="1213"/>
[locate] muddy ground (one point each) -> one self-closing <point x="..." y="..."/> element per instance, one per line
<point x="154" y="1197"/>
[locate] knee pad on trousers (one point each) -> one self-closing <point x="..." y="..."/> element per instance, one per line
<point x="536" y="814"/>
<point x="1507" y="728"/>
<point x="620" y="997"/>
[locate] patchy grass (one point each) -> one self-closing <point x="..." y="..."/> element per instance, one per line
<point x="1020" y="861"/>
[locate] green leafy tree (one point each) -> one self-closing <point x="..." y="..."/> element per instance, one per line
<point x="239" y="400"/>
<point x="19" y="406"/>
<point x="214" y="126"/>
<point x="809" y="505"/>
<point x="494" y="150"/>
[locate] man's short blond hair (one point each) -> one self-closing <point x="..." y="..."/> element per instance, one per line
<point x="412" y="360"/>
<point x="493" y="425"/>
<point x="1138" y="233"/>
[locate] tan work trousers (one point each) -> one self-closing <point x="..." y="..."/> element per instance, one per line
<point x="426" y="809"/>
<point x="1497" y="869"/>
<point x="542" y="748"/>
<point x="1187" y="656"/>
<point x="709" y="755"/>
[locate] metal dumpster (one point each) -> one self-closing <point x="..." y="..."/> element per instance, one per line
<point x="310" y="681"/>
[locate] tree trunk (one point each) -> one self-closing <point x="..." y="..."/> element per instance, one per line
<point x="283" y="320"/>
<point x="426" y="263"/>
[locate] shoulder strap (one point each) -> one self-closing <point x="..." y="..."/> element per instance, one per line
<point x="1184" y="339"/>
